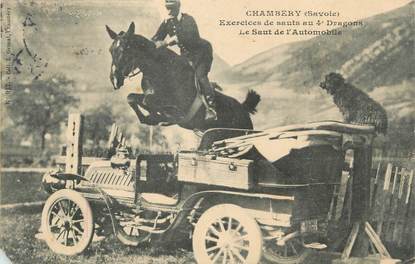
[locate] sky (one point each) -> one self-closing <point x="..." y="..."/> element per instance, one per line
<point x="234" y="48"/>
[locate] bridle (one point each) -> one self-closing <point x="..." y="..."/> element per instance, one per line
<point x="131" y="72"/>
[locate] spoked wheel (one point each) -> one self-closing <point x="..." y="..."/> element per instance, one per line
<point x="131" y="236"/>
<point x="67" y="222"/>
<point x="292" y="252"/>
<point x="226" y="234"/>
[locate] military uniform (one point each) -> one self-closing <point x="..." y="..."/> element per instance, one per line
<point x="193" y="47"/>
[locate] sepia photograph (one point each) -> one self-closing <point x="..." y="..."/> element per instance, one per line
<point x="207" y="131"/>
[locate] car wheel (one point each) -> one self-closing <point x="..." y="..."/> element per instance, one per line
<point x="67" y="222"/>
<point x="132" y="236"/>
<point x="292" y="252"/>
<point x="226" y="234"/>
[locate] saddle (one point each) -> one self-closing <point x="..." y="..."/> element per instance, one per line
<point x="198" y="101"/>
<point x="175" y="115"/>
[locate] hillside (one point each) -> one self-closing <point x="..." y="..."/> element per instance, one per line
<point x="379" y="53"/>
<point x="378" y="58"/>
<point x="219" y="65"/>
<point x="70" y="38"/>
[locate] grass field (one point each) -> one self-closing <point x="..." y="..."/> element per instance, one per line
<point x="18" y="187"/>
<point x="18" y="229"/>
<point x="17" y="240"/>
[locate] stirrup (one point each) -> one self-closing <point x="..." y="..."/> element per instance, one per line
<point x="210" y="102"/>
<point x="211" y="114"/>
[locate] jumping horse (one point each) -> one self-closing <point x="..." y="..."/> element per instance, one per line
<point x="173" y="96"/>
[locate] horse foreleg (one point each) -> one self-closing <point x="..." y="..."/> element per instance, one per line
<point x="136" y="100"/>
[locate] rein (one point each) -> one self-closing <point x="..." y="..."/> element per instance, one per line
<point x="134" y="74"/>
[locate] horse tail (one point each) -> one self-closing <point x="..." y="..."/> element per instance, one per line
<point x="251" y="101"/>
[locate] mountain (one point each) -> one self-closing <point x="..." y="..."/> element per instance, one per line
<point x="70" y="38"/>
<point x="381" y="52"/>
<point x="219" y="65"/>
<point x="378" y="58"/>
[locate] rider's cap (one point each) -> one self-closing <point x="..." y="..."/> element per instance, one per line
<point x="172" y="2"/>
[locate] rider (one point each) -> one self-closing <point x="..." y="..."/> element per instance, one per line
<point x="181" y="29"/>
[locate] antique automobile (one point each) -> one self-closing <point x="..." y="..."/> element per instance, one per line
<point x="242" y="196"/>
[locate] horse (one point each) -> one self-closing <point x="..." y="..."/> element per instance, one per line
<point x="173" y="96"/>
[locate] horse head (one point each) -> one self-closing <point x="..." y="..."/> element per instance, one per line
<point x="128" y="51"/>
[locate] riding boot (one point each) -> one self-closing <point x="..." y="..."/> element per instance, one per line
<point x="209" y="94"/>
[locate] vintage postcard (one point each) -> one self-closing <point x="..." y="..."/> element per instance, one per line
<point x="190" y="131"/>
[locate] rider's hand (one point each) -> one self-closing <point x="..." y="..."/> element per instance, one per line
<point x="160" y="44"/>
<point x="171" y="40"/>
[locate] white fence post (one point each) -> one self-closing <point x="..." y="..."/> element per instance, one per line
<point x="74" y="144"/>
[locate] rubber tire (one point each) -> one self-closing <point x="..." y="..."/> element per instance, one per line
<point x="237" y="213"/>
<point x="294" y="260"/>
<point x="131" y="240"/>
<point x="85" y="208"/>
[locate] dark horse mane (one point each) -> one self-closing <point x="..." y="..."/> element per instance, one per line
<point x="160" y="55"/>
<point x="174" y="90"/>
<point x="159" y="62"/>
